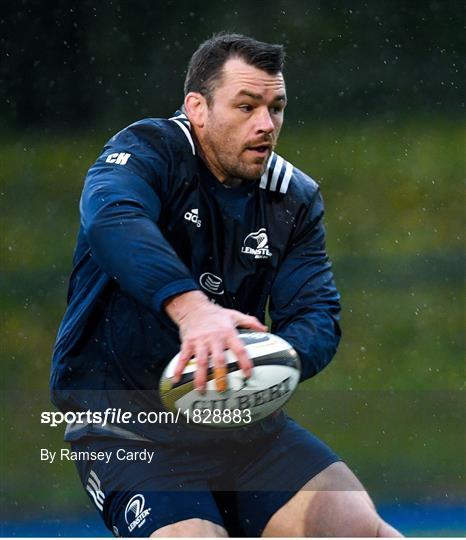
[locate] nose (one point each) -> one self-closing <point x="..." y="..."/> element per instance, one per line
<point x="265" y="123"/>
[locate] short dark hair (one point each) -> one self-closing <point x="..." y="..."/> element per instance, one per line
<point x="206" y="64"/>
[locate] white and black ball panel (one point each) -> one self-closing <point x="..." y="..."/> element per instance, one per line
<point x="276" y="374"/>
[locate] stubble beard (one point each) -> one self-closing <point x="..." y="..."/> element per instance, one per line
<point x="244" y="171"/>
<point x="235" y="167"/>
<point x="228" y="163"/>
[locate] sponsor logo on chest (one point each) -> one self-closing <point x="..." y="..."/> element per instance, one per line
<point x="211" y="283"/>
<point x="256" y="244"/>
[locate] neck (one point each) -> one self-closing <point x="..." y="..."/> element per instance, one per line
<point x="232" y="182"/>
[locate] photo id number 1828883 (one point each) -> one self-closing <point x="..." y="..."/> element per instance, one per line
<point x="218" y="416"/>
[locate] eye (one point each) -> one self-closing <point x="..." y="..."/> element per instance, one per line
<point x="245" y="108"/>
<point x="277" y="109"/>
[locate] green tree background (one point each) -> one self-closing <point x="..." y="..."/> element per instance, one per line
<point x="376" y="116"/>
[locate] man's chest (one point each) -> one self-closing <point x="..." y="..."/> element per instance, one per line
<point x="232" y="244"/>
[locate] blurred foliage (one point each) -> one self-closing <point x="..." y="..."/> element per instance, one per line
<point x="76" y="64"/>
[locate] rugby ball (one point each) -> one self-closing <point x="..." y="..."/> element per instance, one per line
<point x="276" y="373"/>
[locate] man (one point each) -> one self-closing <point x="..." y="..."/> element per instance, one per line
<point x="167" y="213"/>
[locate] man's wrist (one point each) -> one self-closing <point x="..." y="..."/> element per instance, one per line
<point x="179" y="306"/>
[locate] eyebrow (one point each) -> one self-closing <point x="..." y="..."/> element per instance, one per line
<point x="258" y="97"/>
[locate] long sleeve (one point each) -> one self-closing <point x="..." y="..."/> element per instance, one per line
<point x="304" y="304"/>
<point x="120" y="207"/>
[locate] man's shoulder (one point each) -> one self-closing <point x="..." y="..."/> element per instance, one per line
<point x="166" y="136"/>
<point x="285" y="179"/>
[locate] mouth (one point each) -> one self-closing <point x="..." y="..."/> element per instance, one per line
<point x="260" y="151"/>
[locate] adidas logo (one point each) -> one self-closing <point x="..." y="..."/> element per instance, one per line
<point x="193" y="216"/>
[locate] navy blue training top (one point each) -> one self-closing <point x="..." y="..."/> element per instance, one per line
<point x="155" y="222"/>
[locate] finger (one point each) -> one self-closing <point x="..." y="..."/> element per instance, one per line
<point x="186" y="354"/>
<point x="244" y="362"/>
<point x="248" y="321"/>
<point x="200" y="377"/>
<point x="219" y="366"/>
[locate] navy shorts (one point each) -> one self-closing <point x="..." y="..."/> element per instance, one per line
<point x="140" y="486"/>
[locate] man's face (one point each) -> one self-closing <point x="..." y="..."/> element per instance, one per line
<point x="243" y="121"/>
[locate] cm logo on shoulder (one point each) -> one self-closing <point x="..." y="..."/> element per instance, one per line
<point x="120" y="158"/>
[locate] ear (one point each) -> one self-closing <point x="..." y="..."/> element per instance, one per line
<point x="195" y="105"/>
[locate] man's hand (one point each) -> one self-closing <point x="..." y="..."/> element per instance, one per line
<point x="207" y="330"/>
